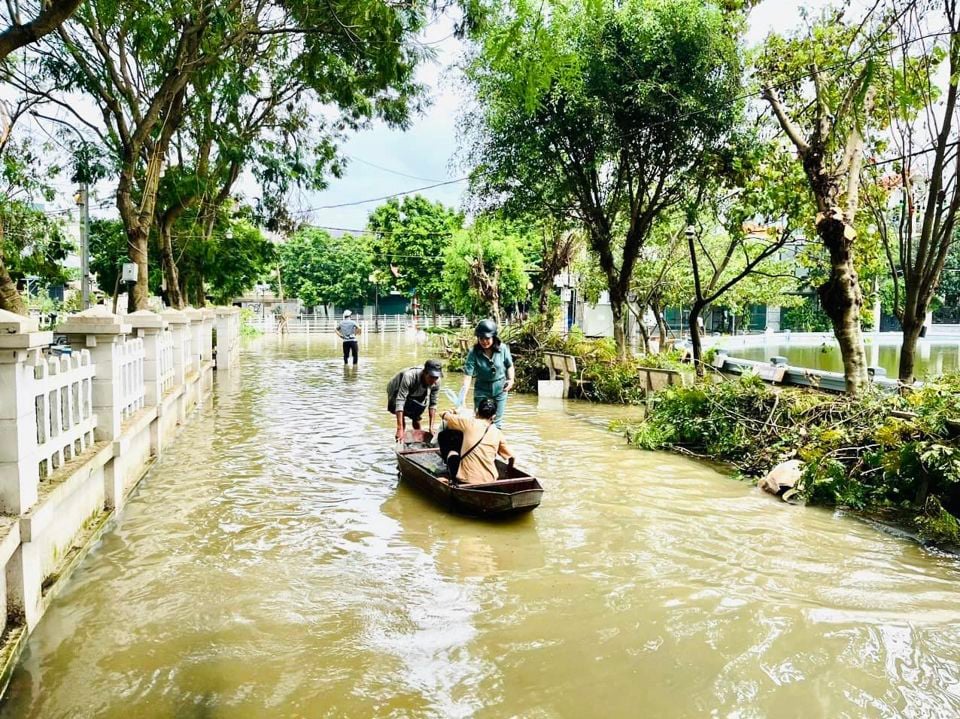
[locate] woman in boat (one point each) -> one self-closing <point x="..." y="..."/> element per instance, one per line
<point x="490" y="362"/>
<point x="473" y="461"/>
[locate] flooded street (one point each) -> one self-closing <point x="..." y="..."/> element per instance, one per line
<point x="271" y="566"/>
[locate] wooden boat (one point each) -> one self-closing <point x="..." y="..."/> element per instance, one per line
<point x="421" y="465"/>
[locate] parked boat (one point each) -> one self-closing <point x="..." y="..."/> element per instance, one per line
<point x="422" y="467"/>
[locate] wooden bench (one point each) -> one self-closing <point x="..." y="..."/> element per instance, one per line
<point x="565" y="366"/>
<point x="446" y="349"/>
<point x="655" y="379"/>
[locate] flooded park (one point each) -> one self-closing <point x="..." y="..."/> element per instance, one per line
<point x="270" y="564"/>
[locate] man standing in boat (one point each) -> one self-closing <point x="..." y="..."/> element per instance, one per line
<point x="412" y="391"/>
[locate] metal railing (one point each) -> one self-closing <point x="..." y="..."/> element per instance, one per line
<point x="319" y="324"/>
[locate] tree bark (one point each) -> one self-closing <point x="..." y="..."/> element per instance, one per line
<point x="619" y="336"/>
<point x="645" y="337"/>
<point x="908" y="352"/>
<point x="695" y="338"/>
<point x="170" y="273"/>
<point x="841" y="298"/>
<point x="51" y="16"/>
<point x="661" y="325"/>
<point x="10" y="299"/>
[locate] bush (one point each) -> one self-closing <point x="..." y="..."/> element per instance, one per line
<point x="877" y="451"/>
<point x="606" y="377"/>
<point x="247" y="329"/>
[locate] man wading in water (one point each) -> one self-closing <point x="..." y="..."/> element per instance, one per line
<point x="412" y="391"/>
<point x="348" y="330"/>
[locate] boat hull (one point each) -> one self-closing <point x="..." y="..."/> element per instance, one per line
<point x="515" y="493"/>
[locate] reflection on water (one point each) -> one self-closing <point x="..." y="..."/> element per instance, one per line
<point x="931" y="359"/>
<point x="272" y="566"/>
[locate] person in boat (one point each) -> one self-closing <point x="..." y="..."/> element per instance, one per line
<point x="347" y="331"/>
<point x="411" y="391"/>
<point x="470" y="445"/>
<point x="491" y="364"/>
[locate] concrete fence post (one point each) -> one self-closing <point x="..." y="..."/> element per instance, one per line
<point x="196" y="336"/>
<point x="19" y="465"/>
<point x="180" y="329"/>
<point x="206" y="334"/>
<point x="228" y="337"/>
<point x="103" y="334"/>
<point x="148" y="326"/>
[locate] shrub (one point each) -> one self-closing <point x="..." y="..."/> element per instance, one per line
<point x="870" y="452"/>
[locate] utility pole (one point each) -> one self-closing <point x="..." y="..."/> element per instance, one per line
<point x="83" y="201"/>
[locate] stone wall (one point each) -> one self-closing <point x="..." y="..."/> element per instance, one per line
<point x="78" y="431"/>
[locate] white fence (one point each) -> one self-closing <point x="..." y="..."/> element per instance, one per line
<point x="62" y="390"/>
<point x="131" y="377"/>
<point x="78" y="431"/>
<point x="165" y="353"/>
<point x="320" y="324"/>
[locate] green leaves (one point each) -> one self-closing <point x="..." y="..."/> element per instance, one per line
<point x="483" y="259"/>
<point x="409" y="241"/>
<point x="321" y="269"/>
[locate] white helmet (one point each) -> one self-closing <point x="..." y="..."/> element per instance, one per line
<point x="347" y="313"/>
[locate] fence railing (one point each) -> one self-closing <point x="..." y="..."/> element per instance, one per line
<point x="62" y="391"/>
<point x="165" y="352"/>
<point x="318" y="324"/>
<point x="131" y="377"/>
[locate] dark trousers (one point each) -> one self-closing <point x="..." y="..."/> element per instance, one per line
<point x="350" y="347"/>
<point x="450" y="442"/>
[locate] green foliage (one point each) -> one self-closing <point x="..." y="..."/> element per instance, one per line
<point x="606" y="377"/>
<point x="876" y="451"/>
<point x="410" y="239"/>
<point x="321" y="269"/>
<point x="806" y="317"/>
<point x="483" y="268"/>
<point x="108" y="251"/>
<point x="600" y="111"/>
<point x="247" y="329"/>
<point x="32" y="243"/>
<point x="227" y="262"/>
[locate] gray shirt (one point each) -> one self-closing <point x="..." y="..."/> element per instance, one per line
<point x="407" y="385"/>
<point x="348" y="330"/>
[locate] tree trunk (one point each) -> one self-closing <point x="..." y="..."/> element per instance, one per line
<point x="841" y="298"/>
<point x="10" y="299"/>
<point x="661" y="325"/>
<point x="619" y="336"/>
<point x="201" y="295"/>
<point x="908" y="350"/>
<point x="170" y="273"/>
<point x="139" y="292"/>
<point x="543" y="303"/>
<point x="695" y="339"/>
<point x="645" y="337"/>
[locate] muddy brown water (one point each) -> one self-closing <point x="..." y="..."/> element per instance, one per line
<point x="271" y="566"/>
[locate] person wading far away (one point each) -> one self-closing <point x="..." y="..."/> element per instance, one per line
<point x="348" y="330"/>
<point x="413" y="390"/>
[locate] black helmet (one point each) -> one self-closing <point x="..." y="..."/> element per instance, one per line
<point x="486" y="328"/>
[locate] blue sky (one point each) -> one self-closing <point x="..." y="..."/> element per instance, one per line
<point x="427" y="149"/>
